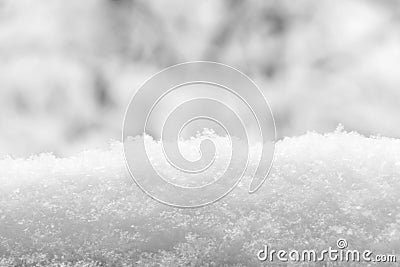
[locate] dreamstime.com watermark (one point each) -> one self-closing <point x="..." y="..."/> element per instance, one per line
<point x="340" y="253"/>
<point x="191" y="97"/>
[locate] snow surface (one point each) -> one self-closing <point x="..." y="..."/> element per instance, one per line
<point x="86" y="209"/>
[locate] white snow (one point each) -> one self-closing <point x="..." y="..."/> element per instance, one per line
<point x="321" y="188"/>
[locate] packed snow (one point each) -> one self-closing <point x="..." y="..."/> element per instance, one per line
<point x="86" y="209"/>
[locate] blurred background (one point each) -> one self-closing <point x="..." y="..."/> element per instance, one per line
<point x="69" y="68"/>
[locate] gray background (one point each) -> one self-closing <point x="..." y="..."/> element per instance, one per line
<point x="69" y="68"/>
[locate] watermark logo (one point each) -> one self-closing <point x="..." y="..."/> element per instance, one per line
<point x="202" y="127"/>
<point x="339" y="254"/>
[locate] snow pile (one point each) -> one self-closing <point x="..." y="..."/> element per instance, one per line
<point x="86" y="210"/>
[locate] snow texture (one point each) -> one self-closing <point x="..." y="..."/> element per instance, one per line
<point x="86" y="211"/>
